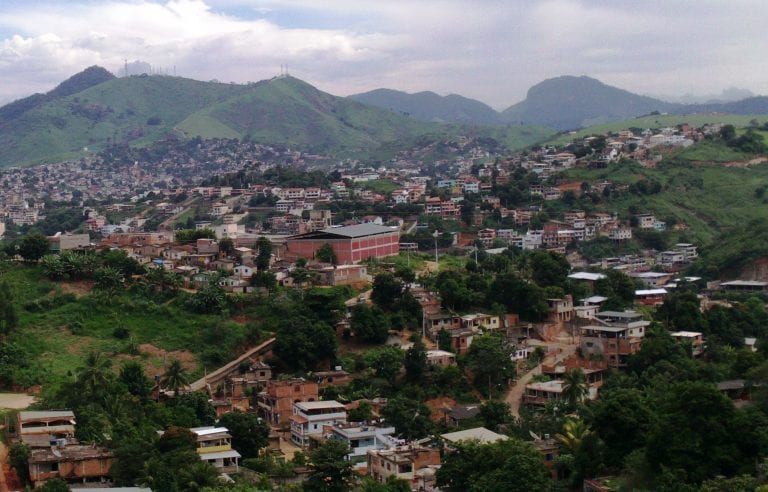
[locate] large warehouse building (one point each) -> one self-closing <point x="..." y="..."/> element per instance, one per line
<point x="350" y="243"/>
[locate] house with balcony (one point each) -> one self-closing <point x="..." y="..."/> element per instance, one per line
<point x="542" y="393"/>
<point x="214" y="445"/>
<point x="694" y="339"/>
<point x="615" y="335"/>
<point x="309" y="418"/>
<point x="478" y="321"/>
<point x="39" y="428"/>
<point x="363" y="437"/>
<point x="650" y="297"/>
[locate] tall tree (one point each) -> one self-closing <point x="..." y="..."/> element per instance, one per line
<point x="330" y="470"/>
<point x="415" y="361"/>
<point x="249" y="432"/>
<point x="33" y="246"/>
<point x="489" y="362"/>
<point x="386" y="362"/>
<point x="303" y="344"/>
<point x="574" y="433"/>
<point x="133" y="377"/>
<point x="387" y="290"/>
<point x="369" y="324"/>
<point x="575" y="387"/>
<point x="94" y="377"/>
<point x="504" y="466"/>
<point x="264" y="255"/>
<point x="326" y="254"/>
<point x="495" y="413"/>
<point x="701" y="443"/>
<point x="410" y="417"/>
<point x="176" y="377"/>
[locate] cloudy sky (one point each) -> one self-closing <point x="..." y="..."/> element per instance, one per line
<point x="491" y="50"/>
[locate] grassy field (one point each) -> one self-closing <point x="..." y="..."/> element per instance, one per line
<point x="62" y="333"/>
<point x="659" y="121"/>
<point x="382" y="186"/>
<point x="710" y="151"/>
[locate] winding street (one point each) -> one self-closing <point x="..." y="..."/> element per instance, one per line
<point x="517" y="389"/>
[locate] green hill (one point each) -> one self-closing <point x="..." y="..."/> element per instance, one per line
<point x="710" y="198"/>
<point x="143" y="109"/>
<point x="291" y="112"/>
<point x="428" y="106"/>
<point x="136" y="110"/>
<point x="573" y="102"/>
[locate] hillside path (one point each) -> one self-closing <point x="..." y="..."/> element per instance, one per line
<point x="200" y="383"/>
<point x="517" y="389"/>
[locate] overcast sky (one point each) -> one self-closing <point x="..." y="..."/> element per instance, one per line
<point x="491" y="50"/>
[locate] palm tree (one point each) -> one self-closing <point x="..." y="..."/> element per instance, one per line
<point x="575" y="387"/>
<point x="176" y="377"/>
<point x="573" y="435"/>
<point x="96" y="375"/>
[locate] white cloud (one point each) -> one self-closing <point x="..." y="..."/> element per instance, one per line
<point x="492" y="50"/>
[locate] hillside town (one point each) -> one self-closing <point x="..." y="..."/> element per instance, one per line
<point x="477" y="277"/>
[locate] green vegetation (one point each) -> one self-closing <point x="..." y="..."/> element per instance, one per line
<point x="709" y="198"/>
<point x="712" y="151"/>
<point x="141" y="110"/>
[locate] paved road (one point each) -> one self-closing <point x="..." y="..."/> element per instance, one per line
<point x="515" y="394"/>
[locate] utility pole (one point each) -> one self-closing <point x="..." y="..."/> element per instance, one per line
<point x="435" y="234"/>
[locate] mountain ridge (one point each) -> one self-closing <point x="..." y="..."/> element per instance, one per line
<point x="567" y="102"/>
<point x="429" y="106"/>
<point x="140" y="110"/>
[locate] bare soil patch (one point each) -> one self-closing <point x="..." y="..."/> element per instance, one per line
<point x="78" y="288"/>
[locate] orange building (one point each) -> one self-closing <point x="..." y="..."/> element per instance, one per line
<point x="275" y="403"/>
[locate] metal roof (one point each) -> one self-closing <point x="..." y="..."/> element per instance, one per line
<point x="586" y="276"/>
<point x="358" y="230"/>
<point x="478" y="433"/>
<point x="219" y="455"/>
<point x="46" y="414"/>
<point x="206" y="431"/>
<point x="650" y="292"/>
<point x="314" y="405"/>
<point x="745" y="283"/>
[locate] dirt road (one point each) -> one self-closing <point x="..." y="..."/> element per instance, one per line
<point x="516" y="391"/>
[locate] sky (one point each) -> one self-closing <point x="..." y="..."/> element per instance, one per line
<point x="490" y="50"/>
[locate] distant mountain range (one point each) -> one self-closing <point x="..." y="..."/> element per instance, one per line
<point x="730" y="94"/>
<point x="428" y="106"/>
<point x="564" y="103"/>
<point x="93" y="110"/>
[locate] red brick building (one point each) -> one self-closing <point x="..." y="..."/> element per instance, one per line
<point x="350" y="243"/>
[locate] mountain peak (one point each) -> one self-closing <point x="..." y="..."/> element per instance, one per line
<point x="569" y="102"/>
<point x="89" y="77"/>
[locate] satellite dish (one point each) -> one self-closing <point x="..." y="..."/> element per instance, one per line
<point x="534" y="435"/>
